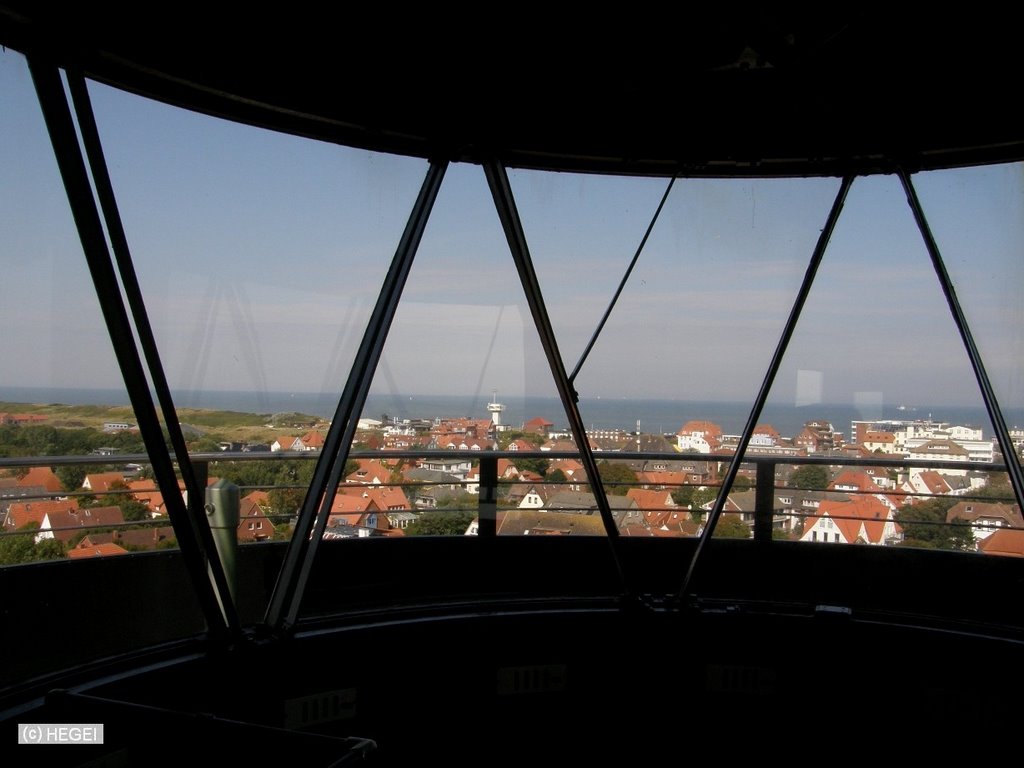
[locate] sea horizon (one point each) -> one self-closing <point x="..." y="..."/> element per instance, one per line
<point x="657" y="416"/>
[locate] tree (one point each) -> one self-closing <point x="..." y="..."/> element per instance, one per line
<point x="17" y="548"/>
<point x="133" y="510"/>
<point x="22" y="548"/>
<point x="702" y="496"/>
<point x="556" y="476"/>
<point x="72" y="476"/>
<point x="507" y="437"/>
<point x="456" y="500"/>
<point x="616" y="477"/>
<point x="683" y="496"/>
<point x="206" y="444"/>
<point x="286" y="501"/>
<point x="730" y="527"/>
<point x="452" y="523"/>
<point x="538" y="465"/>
<point x="810" y="478"/>
<point x="924" y="525"/>
<point x="50" y="549"/>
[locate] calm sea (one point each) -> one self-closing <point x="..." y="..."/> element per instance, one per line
<point x="656" y="416"/>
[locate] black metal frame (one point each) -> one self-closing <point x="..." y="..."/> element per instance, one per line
<point x="504" y="202"/>
<point x="766" y="384"/>
<point x="282" y="612"/>
<point x="194" y="536"/>
<point x="622" y="283"/>
<point x="995" y="414"/>
<point x="190" y="524"/>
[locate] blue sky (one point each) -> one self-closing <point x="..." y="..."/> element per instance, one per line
<point x="260" y="256"/>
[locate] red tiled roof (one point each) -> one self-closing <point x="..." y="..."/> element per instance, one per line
<point x="100" y="550"/>
<point x="144" y="491"/>
<point x="1003" y="542"/>
<point x="368" y="469"/>
<point x="100" y="482"/>
<point x="507" y="467"/>
<point x="71" y="519"/>
<point x="679" y="523"/>
<point x="975" y="510"/>
<point x="662" y="478"/>
<point x="934" y="482"/>
<point x="705" y="428"/>
<point x="650" y="500"/>
<point x="96" y="538"/>
<point x="145" y="538"/>
<point x="860" y="481"/>
<point x="850" y="515"/>
<point x="21" y="513"/>
<point x="389" y="498"/>
<point x="345" y="518"/>
<point x="352" y="501"/>
<point x="42" y="476"/>
<point x="313" y="439"/>
<point x="258" y="497"/>
<point x="940" y="447"/>
<point x="253" y="524"/>
<point x="537" y="423"/>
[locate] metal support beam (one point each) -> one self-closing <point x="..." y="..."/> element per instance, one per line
<point x="200" y="561"/>
<point x="505" y="204"/>
<point x="144" y="330"/>
<point x="622" y="283"/>
<point x="766" y="385"/>
<point x="764" y="501"/>
<point x="126" y="269"/>
<point x="995" y="414"/>
<point x="283" y="609"/>
<point x="487" y="509"/>
<point x="222" y="504"/>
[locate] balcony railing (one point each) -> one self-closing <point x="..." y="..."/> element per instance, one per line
<point x="764" y="518"/>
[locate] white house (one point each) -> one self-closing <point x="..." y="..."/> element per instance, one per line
<point x="859" y="520"/>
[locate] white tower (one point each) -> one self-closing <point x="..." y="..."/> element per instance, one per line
<point x="496" y="409"/>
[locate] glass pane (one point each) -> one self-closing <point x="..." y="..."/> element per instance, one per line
<point x="61" y="395"/>
<point x="690" y="338"/>
<point x="463" y="371"/>
<point x="61" y="387"/>
<point x="977" y="219"/>
<point x="875" y="371"/>
<point x="260" y="257"/>
<point x="260" y="254"/>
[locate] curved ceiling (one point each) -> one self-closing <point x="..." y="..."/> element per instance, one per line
<point x="770" y="93"/>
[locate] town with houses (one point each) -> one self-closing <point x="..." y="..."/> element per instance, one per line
<point x="117" y="511"/>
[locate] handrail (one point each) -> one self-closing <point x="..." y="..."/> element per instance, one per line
<point x="765" y="486"/>
<point x="11" y="462"/>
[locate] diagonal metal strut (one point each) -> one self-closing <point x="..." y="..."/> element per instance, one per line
<point x="622" y="283"/>
<point x="766" y="385"/>
<point x="995" y="414"/>
<point x="282" y="612"/>
<point x="198" y="551"/>
<point x="505" y="204"/>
